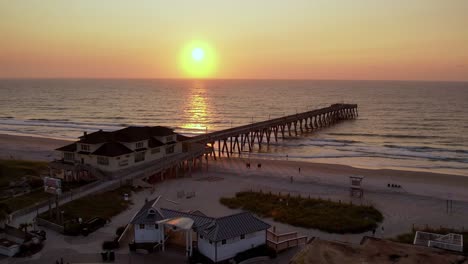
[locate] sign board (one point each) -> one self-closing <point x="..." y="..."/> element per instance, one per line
<point x="52" y="185"/>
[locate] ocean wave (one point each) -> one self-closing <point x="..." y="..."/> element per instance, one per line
<point x="48" y="120"/>
<point x="384" y="135"/>
<point x="381" y="153"/>
<point x="21" y="124"/>
<point x="427" y="149"/>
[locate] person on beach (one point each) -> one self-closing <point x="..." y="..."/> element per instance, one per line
<point x="299" y="170"/>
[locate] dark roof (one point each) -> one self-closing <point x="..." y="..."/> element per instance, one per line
<point x="128" y="134"/>
<point x="112" y="149"/>
<point x="214" y="229"/>
<point x="233" y="226"/>
<point x="143" y="217"/>
<point x="154" y="143"/>
<point x="198" y="220"/>
<point x="134" y="134"/>
<point x="68" y="148"/>
<point x="96" y="137"/>
<point x="182" y="138"/>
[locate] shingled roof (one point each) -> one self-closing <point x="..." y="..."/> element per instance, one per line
<point x="233" y="226"/>
<point x="128" y="134"/>
<point x="112" y="149"/>
<point x="214" y="229"/>
<point x="68" y="148"/>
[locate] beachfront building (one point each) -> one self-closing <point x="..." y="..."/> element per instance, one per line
<point x="111" y="151"/>
<point x="218" y="239"/>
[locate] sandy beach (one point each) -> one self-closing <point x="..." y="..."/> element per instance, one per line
<point x="29" y="148"/>
<point x="420" y="201"/>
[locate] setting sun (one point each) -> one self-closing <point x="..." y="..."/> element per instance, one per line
<point x="198" y="60"/>
<point x="198" y="54"/>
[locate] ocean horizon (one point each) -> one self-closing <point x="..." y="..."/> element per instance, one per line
<point x="409" y="125"/>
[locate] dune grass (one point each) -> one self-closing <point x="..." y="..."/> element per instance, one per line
<point x="328" y="216"/>
<point x="14" y="169"/>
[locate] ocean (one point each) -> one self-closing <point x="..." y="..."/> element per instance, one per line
<point x="401" y="125"/>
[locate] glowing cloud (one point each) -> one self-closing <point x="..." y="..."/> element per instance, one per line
<point x="198" y="60"/>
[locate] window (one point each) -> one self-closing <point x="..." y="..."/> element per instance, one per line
<point x="142" y="226"/>
<point x="170" y="149"/>
<point x="155" y="151"/>
<point x="211" y="242"/>
<point x="139" y="145"/>
<point x="242" y="236"/>
<point x="103" y="160"/>
<point x="86" y="148"/>
<point x="223" y="242"/>
<point x="69" y="156"/>
<point x="201" y="236"/>
<point x="123" y="163"/>
<point x="139" y="156"/>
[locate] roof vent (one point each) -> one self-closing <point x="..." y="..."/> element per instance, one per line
<point x="85" y="134"/>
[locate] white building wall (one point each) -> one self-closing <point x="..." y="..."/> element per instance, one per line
<point x="147" y="235"/>
<point x="206" y="248"/>
<point x="236" y="245"/>
<point x="117" y="163"/>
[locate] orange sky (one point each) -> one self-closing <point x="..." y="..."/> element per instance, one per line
<point x="320" y="39"/>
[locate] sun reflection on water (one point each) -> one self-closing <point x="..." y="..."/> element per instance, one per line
<point x="196" y="112"/>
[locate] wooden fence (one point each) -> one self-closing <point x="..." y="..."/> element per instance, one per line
<point x="280" y="242"/>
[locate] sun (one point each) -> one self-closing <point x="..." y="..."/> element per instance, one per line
<point x="198" y="54"/>
<point x="198" y="60"/>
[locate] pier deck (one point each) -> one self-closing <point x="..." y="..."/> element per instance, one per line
<point x="246" y="136"/>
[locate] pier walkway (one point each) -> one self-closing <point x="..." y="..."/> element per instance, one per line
<point x="245" y="137"/>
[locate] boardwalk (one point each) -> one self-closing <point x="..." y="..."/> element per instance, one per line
<point x="246" y="136"/>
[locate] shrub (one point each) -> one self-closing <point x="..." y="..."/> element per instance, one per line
<point x="110" y="245"/>
<point x="72" y="229"/>
<point x="328" y="216"/>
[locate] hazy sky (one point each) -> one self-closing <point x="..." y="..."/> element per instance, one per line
<point x="310" y="39"/>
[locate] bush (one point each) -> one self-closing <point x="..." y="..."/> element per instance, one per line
<point x="72" y="229"/>
<point x="328" y="216"/>
<point x="36" y="182"/>
<point x="110" y="245"/>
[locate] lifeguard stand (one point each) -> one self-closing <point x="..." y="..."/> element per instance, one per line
<point x="355" y="187"/>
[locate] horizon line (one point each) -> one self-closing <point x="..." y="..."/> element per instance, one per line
<point x="225" y="79"/>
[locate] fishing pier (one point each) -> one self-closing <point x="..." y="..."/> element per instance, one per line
<point x="244" y="138"/>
